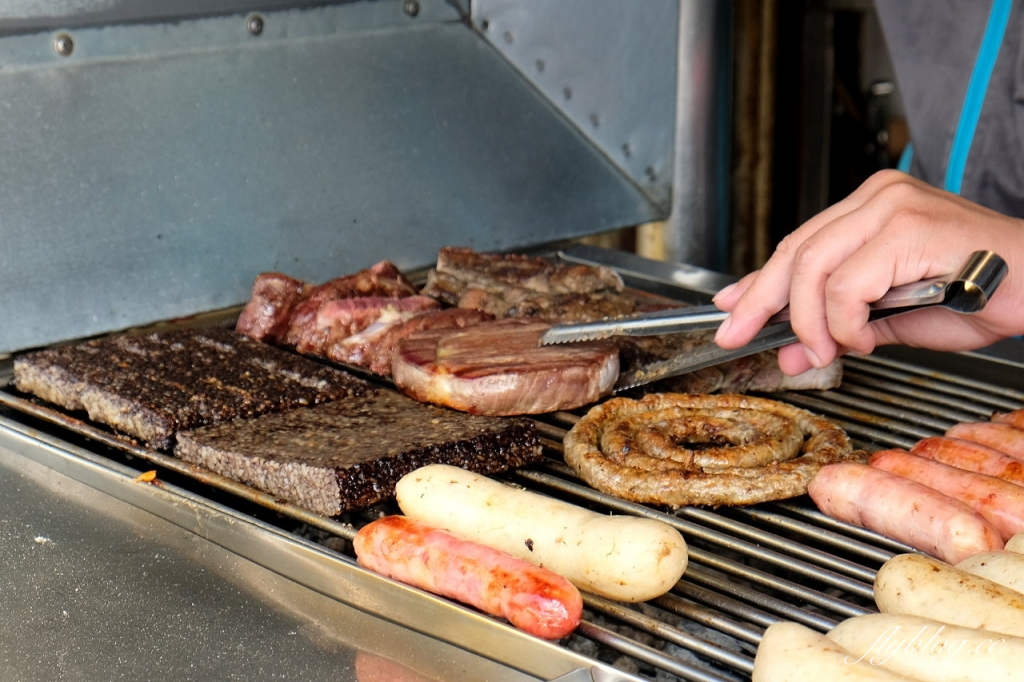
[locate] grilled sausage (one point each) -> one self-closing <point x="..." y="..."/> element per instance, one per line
<point x="926" y="587"/>
<point x="903" y="510"/>
<point x="1005" y="568"/>
<point x="791" y="652"/>
<point x="1015" y="418"/>
<point x="620" y="557"/>
<point x="971" y="456"/>
<point x="926" y="649"/>
<point x="1006" y="439"/>
<point x="532" y="598"/>
<point x="1000" y="502"/>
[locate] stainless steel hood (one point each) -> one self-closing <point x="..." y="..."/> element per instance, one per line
<point x="152" y="166"/>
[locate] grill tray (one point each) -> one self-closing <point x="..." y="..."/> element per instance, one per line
<point x="749" y="567"/>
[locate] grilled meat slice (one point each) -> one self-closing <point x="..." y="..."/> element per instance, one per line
<point x="340" y="319"/>
<point x="511" y="285"/>
<point x="281" y="308"/>
<point x="269" y="311"/>
<point x="379" y="353"/>
<point x="349" y="454"/>
<point x="149" y="387"/>
<point x="754" y="373"/>
<point x="497" y="368"/>
<point x="383" y="280"/>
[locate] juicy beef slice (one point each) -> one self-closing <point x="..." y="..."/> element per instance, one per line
<point x="511" y="285"/>
<point x="375" y="346"/>
<point x="339" y="320"/>
<point x="535" y="274"/>
<point x="499" y="368"/>
<point x="281" y="307"/>
<point x="383" y="280"/>
<point x="267" y="314"/>
<point x="349" y="454"/>
<point x="150" y="387"/>
<point x="755" y="373"/>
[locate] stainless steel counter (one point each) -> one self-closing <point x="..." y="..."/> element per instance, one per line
<point x="95" y="588"/>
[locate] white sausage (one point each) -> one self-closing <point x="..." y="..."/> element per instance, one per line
<point x="1016" y="543"/>
<point x="925" y="649"/>
<point x="1005" y="568"/>
<point x="790" y="652"/>
<point x="922" y="586"/>
<point x="619" y="557"/>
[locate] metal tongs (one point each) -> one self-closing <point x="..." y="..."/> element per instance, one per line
<point x="966" y="291"/>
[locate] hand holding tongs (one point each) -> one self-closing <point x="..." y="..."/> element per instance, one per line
<point x="966" y="291"/>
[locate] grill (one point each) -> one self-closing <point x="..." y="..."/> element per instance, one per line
<point x="749" y="567"/>
<point x="158" y="156"/>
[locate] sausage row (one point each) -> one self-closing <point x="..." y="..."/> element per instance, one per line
<point x="951" y="496"/>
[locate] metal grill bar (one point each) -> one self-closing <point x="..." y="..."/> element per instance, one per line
<point x="694" y="531"/>
<point x="673" y="665"/>
<point x="727" y="605"/>
<point x="701" y="576"/>
<point x="960" y="388"/>
<point x="708" y="618"/>
<point x="784" y="545"/>
<point x="659" y="628"/>
<point x="809" y="532"/>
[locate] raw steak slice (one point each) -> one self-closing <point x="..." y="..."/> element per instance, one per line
<point x="497" y="368"/>
<point x="152" y="386"/>
<point x="349" y="454"/>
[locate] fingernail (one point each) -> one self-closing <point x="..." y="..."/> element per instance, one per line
<point x="723" y="328"/>
<point x="724" y="291"/>
<point x="813" y="359"/>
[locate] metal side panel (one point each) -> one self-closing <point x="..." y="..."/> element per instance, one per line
<point x="155" y="169"/>
<point x="609" y="66"/>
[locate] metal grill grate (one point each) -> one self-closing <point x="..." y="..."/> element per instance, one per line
<point x="749" y="567"/>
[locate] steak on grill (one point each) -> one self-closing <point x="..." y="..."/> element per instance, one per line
<point x="497" y="368"/>
<point x="512" y="285"/>
<point x="379" y="351"/>
<point x="515" y="286"/>
<point x="149" y="387"/>
<point x="282" y="308"/>
<point x="349" y="454"/>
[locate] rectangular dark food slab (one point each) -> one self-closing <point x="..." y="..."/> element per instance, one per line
<point x="349" y="454"/>
<point x="151" y="386"/>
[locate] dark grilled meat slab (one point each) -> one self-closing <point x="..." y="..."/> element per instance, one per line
<point x="149" y="387"/>
<point x="349" y="454"/>
<point x="511" y="285"/>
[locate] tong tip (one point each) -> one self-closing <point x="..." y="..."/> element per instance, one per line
<point x="551" y="337"/>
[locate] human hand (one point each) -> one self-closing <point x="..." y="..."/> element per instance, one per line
<point x="892" y="230"/>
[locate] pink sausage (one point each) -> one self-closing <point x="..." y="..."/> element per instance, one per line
<point x="534" y="599"/>
<point x="902" y="510"/>
<point x="1014" y="419"/>
<point x="1002" y="437"/>
<point x="971" y="456"/>
<point x="1000" y="502"/>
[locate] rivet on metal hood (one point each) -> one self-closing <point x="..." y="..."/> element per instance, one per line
<point x="254" y="24"/>
<point x="63" y="44"/>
